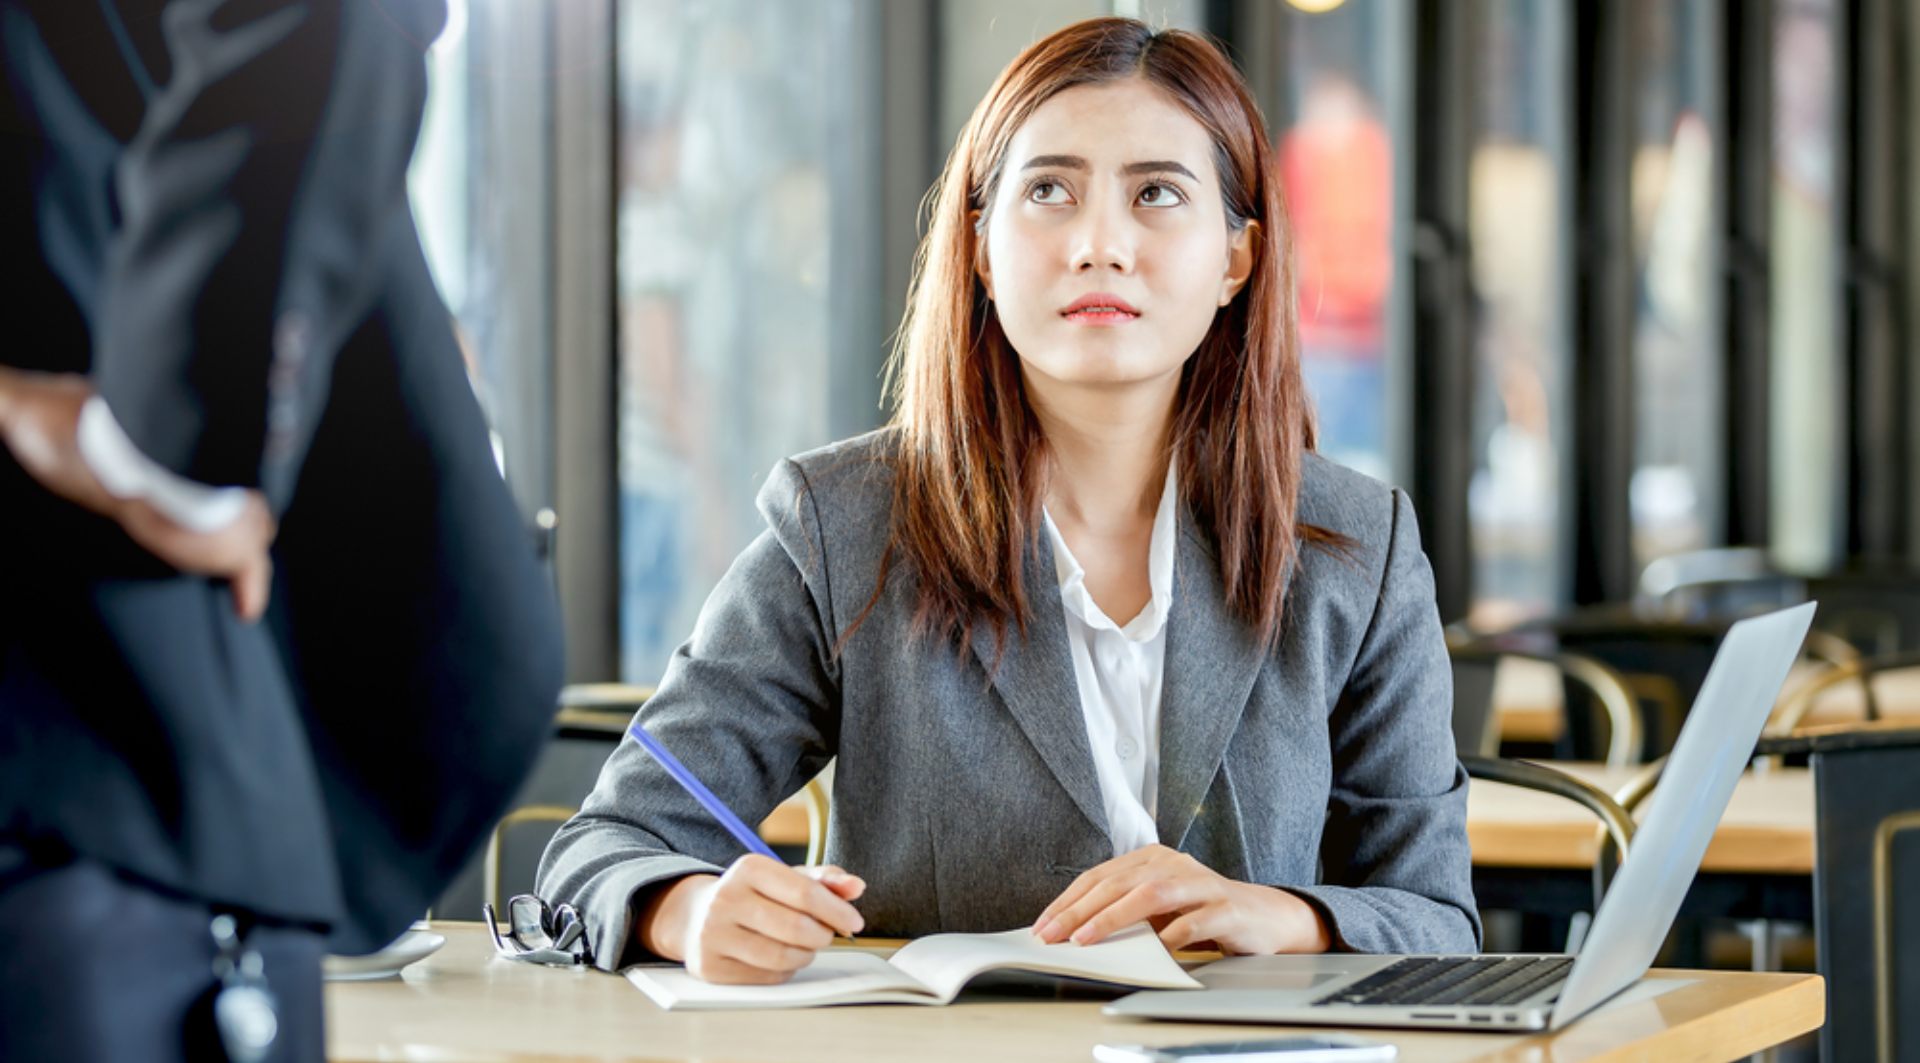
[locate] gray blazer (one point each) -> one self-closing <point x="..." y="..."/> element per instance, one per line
<point x="1325" y="766"/>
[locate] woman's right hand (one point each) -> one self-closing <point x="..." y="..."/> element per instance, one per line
<point x="754" y="925"/>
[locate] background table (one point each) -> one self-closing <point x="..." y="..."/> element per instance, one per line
<point x="1534" y="853"/>
<point x="1767" y="829"/>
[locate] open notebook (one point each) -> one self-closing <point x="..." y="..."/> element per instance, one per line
<point x="930" y="970"/>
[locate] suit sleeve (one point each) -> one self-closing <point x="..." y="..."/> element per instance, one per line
<point x="1395" y="862"/>
<point x="252" y="203"/>
<point x="750" y="704"/>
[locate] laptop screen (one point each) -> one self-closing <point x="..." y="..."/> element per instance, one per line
<point x="1707" y="761"/>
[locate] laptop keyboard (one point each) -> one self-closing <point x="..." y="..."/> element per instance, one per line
<point x="1469" y="980"/>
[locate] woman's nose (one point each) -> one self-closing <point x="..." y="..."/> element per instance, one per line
<point x="1102" y="241"/>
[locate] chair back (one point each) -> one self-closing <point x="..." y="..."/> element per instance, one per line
<point x="560" y="782"/>
<point x="1873" y="604"/>
<point x="1476" y="712"/>
<point x="592" y="720"/>
<point x="514" y="839"/>
<point x="1875" y="607"/>
<point x="1615" y="824"/>
<point x="1663" y="662"/>
<point x="1476" y="727"/>
<point x="1730" y="581"/>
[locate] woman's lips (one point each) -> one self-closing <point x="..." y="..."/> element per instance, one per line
<point x="1099" y="316"/>
<point x="1100" y="308"/>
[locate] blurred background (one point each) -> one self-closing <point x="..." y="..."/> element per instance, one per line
<point x="1600" y="283"/>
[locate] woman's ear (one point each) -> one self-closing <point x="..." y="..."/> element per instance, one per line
<point x="981" y="268"/>
<point x="1242" y="251"/>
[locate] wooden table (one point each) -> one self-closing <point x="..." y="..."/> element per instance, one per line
<point x="464" y="1005"/>
<point x="787" y="825"/>
<point x="1527" y="701"/>
<point x="1768" y="827"/>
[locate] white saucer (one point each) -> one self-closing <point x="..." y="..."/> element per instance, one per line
<point x="410" y="947"/>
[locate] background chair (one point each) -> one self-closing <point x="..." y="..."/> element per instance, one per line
<point x="526" y="849"/>
<point x="1872" y="604"/>
<point x="1476" y="718"/>
<point x="1615" y="824"/>
<point x="1865" y="672"/>
<point x="592" y="720"/>
<point x="589" y="723"/>
<point x="1662" y="661"/>
<point x="1875" y="606"/>
<point x="1703" y="584"/>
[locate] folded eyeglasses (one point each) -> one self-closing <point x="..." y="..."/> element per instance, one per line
<point x="554" y="935"/>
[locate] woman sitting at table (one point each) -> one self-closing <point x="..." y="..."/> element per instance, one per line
<point x="1091" y="633"/>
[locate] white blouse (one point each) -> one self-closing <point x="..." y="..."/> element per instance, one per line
<point x="1119" y="671"/>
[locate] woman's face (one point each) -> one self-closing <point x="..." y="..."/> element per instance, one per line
<point x="1106" y="250"/>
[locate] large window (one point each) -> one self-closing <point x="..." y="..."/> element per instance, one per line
<point x="767" y="158"/>
<point x="741" y="183"/>
<point x="1337" y="158"/>
<point x="1678" y="403"/>
<point x="479" y="184"/>
<point x="1516" y="208"/>
<point x="1806" y="494"/>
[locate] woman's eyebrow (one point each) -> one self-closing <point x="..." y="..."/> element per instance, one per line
<point x="1076" y="162"/>
<point x="1158" y="166"/>
<point x="1056" y="162"/>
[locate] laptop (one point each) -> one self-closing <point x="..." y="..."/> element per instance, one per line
<point x="1492" y="992"/>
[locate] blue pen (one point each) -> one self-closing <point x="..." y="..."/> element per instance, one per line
<point x="698" y="790"/>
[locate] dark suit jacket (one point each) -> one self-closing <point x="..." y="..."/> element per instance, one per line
<point x="204" y="208"/>
<point x="966" y="796"/>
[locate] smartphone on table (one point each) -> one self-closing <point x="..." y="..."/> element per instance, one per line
<point x="1326" y="1048"/>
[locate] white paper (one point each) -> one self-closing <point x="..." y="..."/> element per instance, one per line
<point x="931" y="970"/>
<point x="1133" y="957"/>
<point x="834" y="977"/>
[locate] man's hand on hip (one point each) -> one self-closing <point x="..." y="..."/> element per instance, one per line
<point x="39" y="423"/>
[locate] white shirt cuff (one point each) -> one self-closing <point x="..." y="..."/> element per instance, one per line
<point x="126" y="473"/>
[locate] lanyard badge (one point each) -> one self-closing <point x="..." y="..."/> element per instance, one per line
<point x="244" y="1010"/>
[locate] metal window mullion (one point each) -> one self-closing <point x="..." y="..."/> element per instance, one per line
<point x="1745" y="175"/>
<point x="1254" y="32"/>
<point x="1873" y="266"/>
<point x="895" y="77"/>
<point x="585" y="471"/>
<point x="1438" y="302"/>
<point x="1601" y="303"/>
<point x="1556" y="41"/>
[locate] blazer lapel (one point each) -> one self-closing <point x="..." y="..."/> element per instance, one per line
<point x="1211" y="662"/>
<point x="1035" y="678"/>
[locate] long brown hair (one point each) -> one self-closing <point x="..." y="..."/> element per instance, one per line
<point x="971" y="457"/>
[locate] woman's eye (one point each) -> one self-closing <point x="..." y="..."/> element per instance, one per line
<point x="1047" y="193"/>
<point x="1158" y="195"/>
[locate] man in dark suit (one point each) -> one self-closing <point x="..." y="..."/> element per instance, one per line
<point x="274" y="646"/>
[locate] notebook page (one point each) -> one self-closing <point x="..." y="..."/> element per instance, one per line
<point x="834" y="977"/>
<point x="1132" y="957"/>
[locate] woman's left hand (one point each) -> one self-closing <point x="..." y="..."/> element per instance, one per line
<point x="1186" y="902"/>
